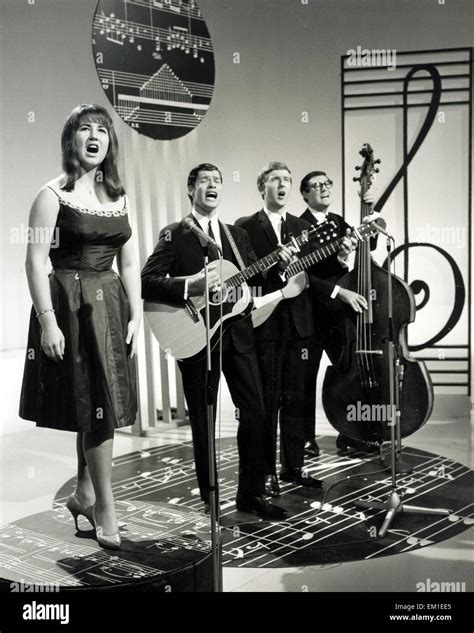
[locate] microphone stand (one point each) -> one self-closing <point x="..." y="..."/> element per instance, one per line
<point x="216" y="535"/>
<point x="394" y="504"/>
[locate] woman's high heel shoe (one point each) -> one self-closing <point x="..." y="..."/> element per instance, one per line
<point x="75" y="508"/>
<point x="111" y="541"/>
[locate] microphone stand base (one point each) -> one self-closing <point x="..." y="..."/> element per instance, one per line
<point x="401" y="465"/>
<point x="394" y="506"/>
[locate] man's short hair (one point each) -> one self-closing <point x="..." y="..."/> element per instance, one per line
<point x="307" y="178"/>
<point x="273" y="166"/>
<point x="193" y="174"/>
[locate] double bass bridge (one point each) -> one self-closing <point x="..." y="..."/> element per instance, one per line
<point x="377" y="352"/>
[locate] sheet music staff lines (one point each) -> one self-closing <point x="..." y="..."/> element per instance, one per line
<point x="307" y="534"/>
<point x="135" y="80"/>
<point x="91" y="558"/>
<point x="117" y="30"/>
<point x="335" y="503"/>
<point x="166" y="477"/>
<point x="190" y="9"/>
<point x="371" y="81"/>
<point x="455" y="85"/>
<point x="349" y="512"/>
<point x="135" y="113"/>
<point x="427" y="536"/>
<point x="155" y="62"/>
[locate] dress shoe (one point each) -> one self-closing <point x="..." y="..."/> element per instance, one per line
<point x="345" y="443"/>
<point x="111" y="541"/>
<point x="260" y="506"/>
<point x="207" y="507"/>
<point x="76" y="508"/>
<point x="311" y="448"/>
<point x="272" y="487"/>
<point x="301" y="477"/>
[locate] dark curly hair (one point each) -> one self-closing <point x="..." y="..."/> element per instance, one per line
<point x="193" y="174"/>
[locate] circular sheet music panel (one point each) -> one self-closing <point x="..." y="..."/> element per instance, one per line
<point x="155" y="62"/>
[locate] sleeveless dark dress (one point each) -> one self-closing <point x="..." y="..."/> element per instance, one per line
<point x="94" y="387"/>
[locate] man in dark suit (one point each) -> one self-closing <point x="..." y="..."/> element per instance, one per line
<point x="284" y="343"/>
<point x="175" y="272"/>
<point x="316" y="189"/>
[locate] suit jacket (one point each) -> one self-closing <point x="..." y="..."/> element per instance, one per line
<point x="179" y="254"/>
<point x="330" y="268"/>
<point x="328" y="271"/>
<point x="263" y="241"/>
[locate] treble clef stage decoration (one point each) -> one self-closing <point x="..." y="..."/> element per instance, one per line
<point x="155" y="62"/>
<point x="408" y="156"/>
<point x="446" y="89"/>
<point x="418" y="285"/>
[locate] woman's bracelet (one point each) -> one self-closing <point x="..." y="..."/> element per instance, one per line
<point x="41" y="312"/>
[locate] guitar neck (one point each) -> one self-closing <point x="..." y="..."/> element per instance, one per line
<point x="315" y="257"/>
<point x="262" y="264"/>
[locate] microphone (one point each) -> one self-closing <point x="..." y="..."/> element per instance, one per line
<point x="381" y="229"/>
<point x="189" y="224"/>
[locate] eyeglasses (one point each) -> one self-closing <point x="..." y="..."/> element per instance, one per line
<point x="317" y="185"/>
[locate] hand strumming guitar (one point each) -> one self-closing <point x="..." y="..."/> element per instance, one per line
<point x="197" y="282"/>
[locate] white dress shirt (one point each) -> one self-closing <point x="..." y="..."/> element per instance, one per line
<point x="319" y="216"/>
<point x="203" y="221"/>
<point x="275" y="218"/>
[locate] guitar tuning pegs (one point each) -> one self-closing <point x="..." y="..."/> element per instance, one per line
<point x="355" y="179"/>
<point x="358" y="167"/>
<point x="377" y="162"/>
<point x="377" y="170"/>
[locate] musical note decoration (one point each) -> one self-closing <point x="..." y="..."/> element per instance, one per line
<point x="430" y="83"/>
<point x="155" y="63"/>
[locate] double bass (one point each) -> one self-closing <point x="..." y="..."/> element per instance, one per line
<point x="356" y="390"/>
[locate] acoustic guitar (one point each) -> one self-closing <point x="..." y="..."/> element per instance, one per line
<point x="297" y="280"/>
<point x="181" y="330"/>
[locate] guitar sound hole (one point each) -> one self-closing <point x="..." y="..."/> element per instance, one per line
<point x="216" y="297"/>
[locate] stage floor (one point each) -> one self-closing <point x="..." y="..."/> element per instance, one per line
<point x="35" y="464"/>
<point x="28" y="461"/>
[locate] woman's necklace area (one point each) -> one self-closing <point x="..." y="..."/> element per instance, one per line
<point x="88" y="188"/>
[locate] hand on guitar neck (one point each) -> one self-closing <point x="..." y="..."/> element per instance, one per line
<point x="287" y="255"/>
<point x="348" y="244"/>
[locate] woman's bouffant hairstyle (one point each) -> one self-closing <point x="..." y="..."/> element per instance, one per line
<point x="108" y="168"/>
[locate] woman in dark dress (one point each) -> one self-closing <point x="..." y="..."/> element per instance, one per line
<point x="79" y="369"/>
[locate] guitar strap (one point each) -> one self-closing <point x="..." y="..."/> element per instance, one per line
<point x="233" y="246"/>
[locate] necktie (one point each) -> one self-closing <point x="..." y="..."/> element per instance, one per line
<point x="210" y="232"/>
<point x="212" y="249"/>
<point x="283" y="235"/>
